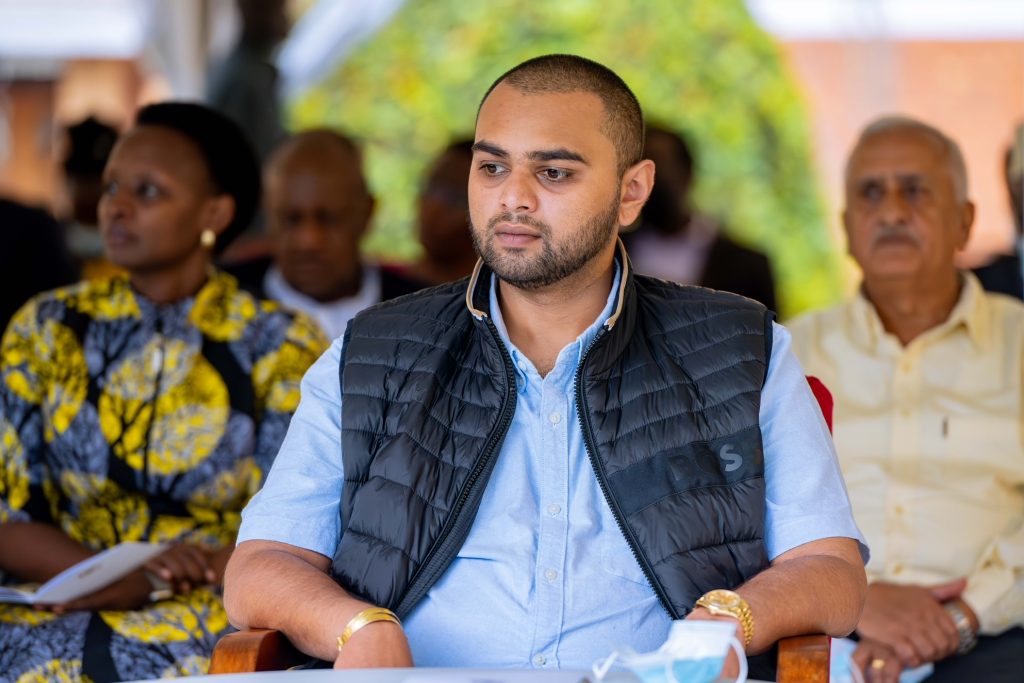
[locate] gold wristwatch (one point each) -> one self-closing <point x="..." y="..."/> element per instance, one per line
<point x="728" y="603"/>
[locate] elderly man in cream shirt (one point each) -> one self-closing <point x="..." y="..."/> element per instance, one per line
<point x="926" y="371"/>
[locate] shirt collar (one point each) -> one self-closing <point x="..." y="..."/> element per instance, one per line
<point x="582" y="342"/>
<point x="969" y="312"/>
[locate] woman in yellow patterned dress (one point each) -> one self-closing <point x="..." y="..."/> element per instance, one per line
<point x="143" y="408"/>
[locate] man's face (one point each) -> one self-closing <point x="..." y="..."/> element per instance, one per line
<point x="443" y="217"/>
<point x="544" y="191"/>
<point x="902" y="217"/>
<point x="317" y="213"/>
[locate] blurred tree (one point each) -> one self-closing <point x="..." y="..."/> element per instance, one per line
<point x="701" y="66"/>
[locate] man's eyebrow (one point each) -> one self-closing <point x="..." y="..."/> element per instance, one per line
<point x="488" y="148"/>
<point x="560" y="154"/>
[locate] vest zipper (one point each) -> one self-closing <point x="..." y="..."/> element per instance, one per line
<point x="458" y="526"/>
<point x="582" y="414"/>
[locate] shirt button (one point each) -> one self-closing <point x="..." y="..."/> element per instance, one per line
<point x="539" y="660"/>
<point x="550" y="574"/>
<point x="897" y="568"/>
<point x="554" y="509"/>
<point x="898" y="510"/>
<point x="905" y="366"/>
<point x="904" y="412"/>
<point x="555" y="418"/>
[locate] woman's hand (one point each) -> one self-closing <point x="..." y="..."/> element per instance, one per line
<point x="186" y="566"/>
<point x="127" y="593"/>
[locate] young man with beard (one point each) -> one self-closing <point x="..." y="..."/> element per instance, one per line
<point x="553" y="458"/>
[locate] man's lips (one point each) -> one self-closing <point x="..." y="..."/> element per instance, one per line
<point x="512" y="234"/>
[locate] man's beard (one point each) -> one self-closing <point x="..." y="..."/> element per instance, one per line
<point x="555" y="262"/>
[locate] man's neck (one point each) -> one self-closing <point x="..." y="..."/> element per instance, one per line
<point x="542" y="322"/>
<point x="908" y="310"/>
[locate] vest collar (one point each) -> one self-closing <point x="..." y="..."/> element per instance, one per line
<point x="478" y="294"/>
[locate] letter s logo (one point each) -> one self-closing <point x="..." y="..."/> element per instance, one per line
<point x="732" y="459"/>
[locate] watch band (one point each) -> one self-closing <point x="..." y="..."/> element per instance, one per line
<point x="968" y="638"/>
<point x="730" y="604"/>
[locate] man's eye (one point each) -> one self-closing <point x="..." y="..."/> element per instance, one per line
<point x="912" y="191"/>
<point x="871" y="192"/>
<point x="491" y="168"/>
<point x="555" y="174"/>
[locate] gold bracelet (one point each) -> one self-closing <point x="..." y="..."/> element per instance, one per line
<point x="367" y="616"/>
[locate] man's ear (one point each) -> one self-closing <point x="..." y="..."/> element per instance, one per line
<point x="218" y="213"/>
<point x="845" y="218"/>
<point x="967" y="213"/>
<point x="369" y="206"/>
<point x="636" y="186"/>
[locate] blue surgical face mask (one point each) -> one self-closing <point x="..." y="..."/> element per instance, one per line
<point x="694" y="652"/>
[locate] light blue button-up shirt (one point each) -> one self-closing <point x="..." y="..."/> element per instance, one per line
<point x="545" y="578"/>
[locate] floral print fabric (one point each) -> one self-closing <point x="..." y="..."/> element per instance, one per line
<point x="121" y="420"/>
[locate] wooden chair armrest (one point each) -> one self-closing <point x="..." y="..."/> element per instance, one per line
<point x="804" y="659"/>
<point x="254" y="650"/>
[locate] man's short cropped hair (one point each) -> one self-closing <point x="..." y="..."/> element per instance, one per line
<point x="623" y="118"/>
<point x="324" y="141"/>
<point x="954" y="157"/>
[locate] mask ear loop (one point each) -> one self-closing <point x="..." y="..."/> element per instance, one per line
<point x="741" y="655"/>
<point x="601" y="666"/>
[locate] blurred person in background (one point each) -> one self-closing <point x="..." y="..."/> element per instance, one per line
<point x="245" y="85"/>
<point x="1004" y="274"/>
<point x="443" y="219"/>
<point x="318" y="209"/>
<point x="33" y="256"/>
<point x="89" y="146"/>
<point x="926" y="369"/>
<point x="146" y="407"/>
<point x="675" y="242"/>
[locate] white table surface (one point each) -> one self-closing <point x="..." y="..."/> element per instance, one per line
<point x="422" y="675"/>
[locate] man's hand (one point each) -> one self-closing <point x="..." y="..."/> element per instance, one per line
<point x="731" y="669"/>
<point x="877" y="661"/>
<point x="127" y="593"/>
<point x="186" y="566"/>
<point x="911" y="621"/>
<point x="378" y="645"/>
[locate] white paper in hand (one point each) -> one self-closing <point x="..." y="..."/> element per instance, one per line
<point x="88" y="576"/>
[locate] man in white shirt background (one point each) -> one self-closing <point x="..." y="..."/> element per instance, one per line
<point x="925" y="369"/>
<point x="318" y="208"/>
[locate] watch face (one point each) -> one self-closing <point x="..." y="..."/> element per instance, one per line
<point x="724" y="598"/>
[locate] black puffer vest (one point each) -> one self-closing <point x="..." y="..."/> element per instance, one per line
<point x="668" y="395"/>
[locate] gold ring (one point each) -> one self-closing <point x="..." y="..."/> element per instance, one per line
<point x="877" y="663"/>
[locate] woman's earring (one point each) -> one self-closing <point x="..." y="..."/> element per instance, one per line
<point x="208" y="238"/>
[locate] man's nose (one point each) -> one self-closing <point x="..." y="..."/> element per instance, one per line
<point x="518" y="193"/>
<point x="894" y="208"/>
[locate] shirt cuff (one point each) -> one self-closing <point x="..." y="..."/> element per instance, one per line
<point x="990" y="594"/>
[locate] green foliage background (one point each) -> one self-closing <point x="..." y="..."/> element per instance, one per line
<point x="701" y="66"/>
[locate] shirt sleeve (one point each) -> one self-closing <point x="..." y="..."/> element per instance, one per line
<point x="995" y="589"/>
<point x="806" y="497"/>
<point x="24" y="367"/>
<point x="300" y="503"/>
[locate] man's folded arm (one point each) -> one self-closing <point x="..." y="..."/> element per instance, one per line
<point x="817" y="587"/>
<point x="284" y="587"/>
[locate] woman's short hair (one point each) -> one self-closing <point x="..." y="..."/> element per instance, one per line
<point x="229" y="156"/>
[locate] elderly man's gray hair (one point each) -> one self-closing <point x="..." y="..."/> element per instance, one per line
<point x="955" y="158"/>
